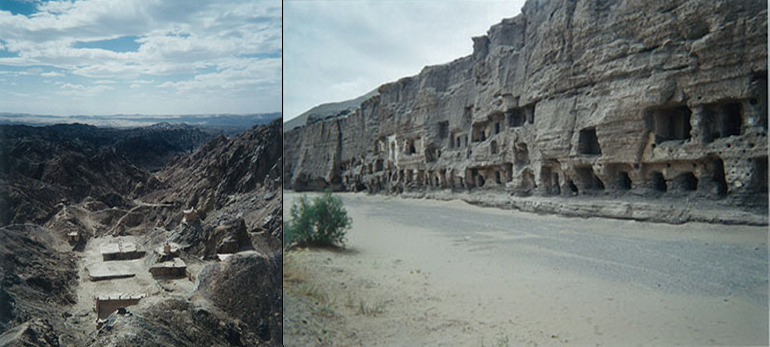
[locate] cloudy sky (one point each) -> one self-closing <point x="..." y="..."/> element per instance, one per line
<point x="140" y="56"/>
<point x="339" y="50"/>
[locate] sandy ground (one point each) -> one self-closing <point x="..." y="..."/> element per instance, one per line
<point x="424" y="272"/>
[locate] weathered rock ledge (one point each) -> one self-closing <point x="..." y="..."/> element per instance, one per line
<point x="657" y="211"/>
<point x="658" y="108"/>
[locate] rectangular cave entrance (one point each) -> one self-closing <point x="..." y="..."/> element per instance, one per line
<point x="550" y="180"/>
<point x="477" y="178"/>
<point x="479" y="133"/>
<point x="516" y="117"/>
<point x="443" y="130"/>
<point x="685" y="182"/>
<point x="722" y="120"/>
<point x="588" y="179"/>
<point x="623" y="181"/>
<point x="671" y="123"/>
<point x="588" y="143"/>
<point x="658" y="182"/>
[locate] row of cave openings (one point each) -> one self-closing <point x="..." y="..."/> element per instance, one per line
<point x="711" y="121"/>
<point x="674" y="123"/>
<point x="706" y="178"/>
<point x="514" y="117"/>
<point x="708" y="181"/>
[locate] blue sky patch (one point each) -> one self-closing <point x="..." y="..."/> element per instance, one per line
<point x="120" y="44"/>
<point x="6" y="54"/>
<point x="25" y="8"/>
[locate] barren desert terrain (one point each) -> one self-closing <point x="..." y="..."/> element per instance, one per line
<point x="426" y="272"/>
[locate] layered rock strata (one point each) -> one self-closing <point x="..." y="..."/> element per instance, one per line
<point x="627" y="99"/>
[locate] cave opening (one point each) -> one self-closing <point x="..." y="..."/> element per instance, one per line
<point x="732" y="119"/>
<point x="516" y="117"/>
<point x="588" y="143"/>
<point x="530" y="113"/>
<point x="555" y="187"/>
<point x="719" y="176"/>
<point x="443" y="129"/>
<point x="658" y="182"/>
<point x="687" y="181"/>
<point x="624" y="182"/>
<point x="588" y="179"/>
<point x="671" y="123"/>
<point x="722" y="120"/>
<point x="479" y="132"/>
<point x="572" y="186"/>
<point x="480" y="180"/>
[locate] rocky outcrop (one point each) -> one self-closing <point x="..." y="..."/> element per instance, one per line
<point x="223" y="167"/>
<point x="38" y="332"/>
<point x="625" y="100"/>
<point x="248" y="288"/>
<point x="37" y="279"/>
<point x="174" y="322"/>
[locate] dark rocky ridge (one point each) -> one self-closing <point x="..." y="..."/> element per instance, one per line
<point x="42" y="166"/>
<point x="605" y="101"/>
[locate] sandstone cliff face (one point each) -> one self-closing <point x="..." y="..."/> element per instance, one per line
<point x="620" y="98"/>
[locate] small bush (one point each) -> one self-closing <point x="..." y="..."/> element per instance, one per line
<point x="320" y="222"/>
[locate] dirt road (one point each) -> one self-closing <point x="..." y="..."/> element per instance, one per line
<point x="448" y="273"/>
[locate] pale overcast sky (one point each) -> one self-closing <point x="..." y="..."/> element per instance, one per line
<point x="339" y="50"/>
<point x="140" y="56"/>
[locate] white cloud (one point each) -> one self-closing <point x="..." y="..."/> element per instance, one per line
<point x="52" y="74"/>
<point x="201" y="45"/>
<point x="71" y="89"/>
<point x="72" y="86"/>
<point x="339" y="50"/>
<point x="233" y="76"/>
<point x="134" y="86"/>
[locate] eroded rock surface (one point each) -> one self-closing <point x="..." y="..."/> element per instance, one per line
<point x="626" y="100"/>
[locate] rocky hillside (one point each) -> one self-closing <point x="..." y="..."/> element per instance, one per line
<point x="570" y="101"/>
<point x="43" y="166"/>
<point x="96" y="183"/>
<point x="37" y="278"/>
<point x="229" y="182"/>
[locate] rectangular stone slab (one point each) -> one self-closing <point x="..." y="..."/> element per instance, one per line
<point x="105" y="271"/>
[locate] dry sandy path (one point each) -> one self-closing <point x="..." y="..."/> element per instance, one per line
<point x="448" y="273"/>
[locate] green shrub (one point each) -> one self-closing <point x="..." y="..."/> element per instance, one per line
<point x="320" y="222"/>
